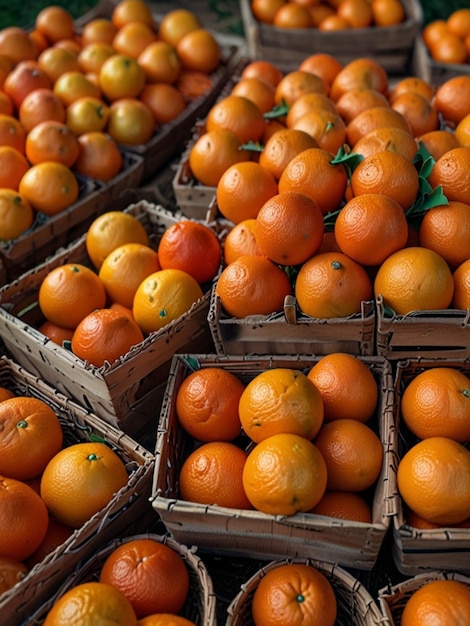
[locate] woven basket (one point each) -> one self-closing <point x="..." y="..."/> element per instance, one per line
<point x="250" y="532"/>
<point x="392" y="599"/>
<point x="128" y="392"/>
<point x="356" y="607"/>
<point x="199" y="606"/>
<point x="419" y="550"/>
<point x="128" y="504"/>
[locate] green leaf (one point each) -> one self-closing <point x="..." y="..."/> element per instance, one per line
<point x="252" y="146"/>
<point x="329" y="219"/>
<point x="96" y="438"/>
<point x="279" y="111"/>
<point x="350" y="160"/>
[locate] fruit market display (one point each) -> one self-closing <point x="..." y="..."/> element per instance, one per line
<point x="333" y="184"/>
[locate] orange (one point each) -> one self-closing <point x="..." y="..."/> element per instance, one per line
<point x="98" y="29"/>
<point x="130" y="11"/>
<point x="265" y="10"/>
<point x="23" y="79"/>
<point x="40" y="105"/>
<point x="165" y="101"/>
<point x="280" y="400"/>
<point x="462" y="131"/>
<point x="414" y="84"/>
<point x="347" y="386"/>
<point x="333" y="22"/>
<point x="419" y="111"/>
<point x="389" y="138"/>
<point x="452" y="98"/>
<point x="295" y="84"/>
<point x="80" y="480"/>
<point x="451" y="171"/>
<point x="264" y="70"/>
<point x="55" y="61"/>
<point x="239" y="115"/>
<point x="74" y="84"/>
<point x="69" y="292"/>
<point x="6" y="104"/>
<point x="163" y="297"/>
<point x="387" y="12"/>
<point x="12" y="132"/>
<point x="353" y="454"/>
<point x="92" y="56"/>
<point x="370" y="227"/>
<point x="458" y="22"/>
<point x="131" y="121"/>
<point x="360" y="72"/>
<point x="165" y="619"/>
<point x="121" y="76"/>
<point x="49" y="187"/>
<point x="199" y="51"/>
<point x="252" y="285"/>
<point x="160" y="62"/>
<point x="461" y="298"/>
<point x="23" y="519"/>
<point x="57" y="533"/>
<point x="282" y="146"/>
<point x="358" y="13"/>
<point x="91" y="603"/>
<point x="375" y="117"/>
<point x="243" y="189"/>
<point x="191" y="247"/>
<point x="327" y="128"/>
<point x="438" y="142"/>
<point x="449" y="49"/>
<point x="132" y="38"/>
<point x="12" y="571"/>
<point x="152" y="576"/>
<point x="347" y="505"/>
<point x="257" y="90"/>
<point x="175" y="24"/>
<point x="446" y="230"/>
<point x="125" y="268"/>
<point x="240" y="240"/>
<point x="214" y="152"/>
<point x="433" y="31"/>
<point x="16" y="214"/>
<point x="86" y="114"/>
<point x="55" y="23"/>
<point x="207" y="404"/>
<point x="212" y="474"/>
<point x="289" y="228"/>
<point x="444" y="601"/>
<point x="323" y="64"/>
<point x="300" y="475"/>
<point x="17" y="45"/>
<point x="332" y="284"/>
<point x="312" y="173"/>
<point x="111" y="230"/>
<point x="31" y="434"/>
<point x="305" y="104"/>
<point x="292" y="594"/>
<point x="433" y="479"/>
<point x="13" y="165"/>
<point x="51" y="141"/>
<point x="357" y="100"/>
<point x="6" y="394"/>
<point x="414" y="279"/>
<point x="98" y="156"/>
<point x="104" y="335"/>
<point x="436" y="403"/>
<point x="292" y="15"/>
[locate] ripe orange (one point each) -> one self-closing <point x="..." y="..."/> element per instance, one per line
<point x="305" y="104"/>
<point x="87" y="114"/>
<point x="449" y="49"/>
<point x="165" y="101"/>
<point x="23" y="79"/>
<point x="163" y="297"/>
<point x="289" y="228"/>
<point x="451" y="171"/>
<point x="458" y="22"/>
<point x="13" y="165"/>
<point x="323" y="64"/>
<point x="452" y="98"/>
<point x="12" y="571"/>
<point x="239" y="115"/>
<point x="414" y="279"/>
<point x="252" y="285"/>
<point x="461" y="298"/>
<point x="130" y="122"/>
<point x="295" y="84"/>
<point x="419" y="111"/>
<point x="240" y="240"/>
<point x="243" y="189"/>
<point x="49" y="187"/>
<point x="12" y="132"/>
<point x="131" y="11"/>
<point x="265" y="70"/>
<point x="199" y="51"/>
<point x="292" y="15"/>
<point x="165" y="619"/>
<point x="436" y="403"/>
<point x="55" y="23"/>
<point x="415" y="84"/>
<point x="361" y="72"/>
<point x="371" y="119"/>
<point x="333" y="22"/>
<point x="111" y="230"/>
<point x="447" y="601"/>
<point x="265" y="10"/>
<point x="389" y="138"/>
<point x="347" y="386"/>
<point x="438" y="142"/>
<point x="280" y="400"/>
<point x="387" y="12"/>
<point x="358" y="13"/>
<point x="75" y="84"/>
<point x="69" y="292"/>
<point x="312" y="173"/>
<point x="282" y="146"/>
<point x="125" y="268"/>
<point x="98" y="29"/>
<point x="355" y="101"/>
<point x="94" y="602"/>
<point x="41" y="105"/>
<point x="23" y="519"/>
<point x="31" y="434"/>
<point x="6" y="394"/>
<point x="57" y="533"/>
<point x="92" y="56"/>
<point x="326" y="127"/>
<point x="98" y="156"/>
<point x="104" y="335"/>
<point x="332" y="284"/>
<point x="16" y="214"/>
<point x="212" y="474"/>
<point x="121" y="76"/>
<point x="192" y="247"/>
<point x="80" y="480"/>
<point x="132" y="38"/>
<point x="446" y="230"/>
<point x="152" y="576"/>
<point x="54" y="62"/>
<point x="293" y="593"/>
<point x="52" y="141"/>
<point x="17" y="45"/>
<point x="353" y="454"/>
<point x="175" y="24"/>
<point x="347" y="505"/>
<point x="257" y="90"/>
<point x="433" y="479"/>
<point x="207" y="404"/>
<point x="300" y="472"/>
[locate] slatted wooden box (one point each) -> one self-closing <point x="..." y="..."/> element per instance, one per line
<point x="128" y="504"/>
<point x="416" y="551"/>
<point x="128" y="392"/>
<point x="250" y="532"/>
<point x="391" y="46"/>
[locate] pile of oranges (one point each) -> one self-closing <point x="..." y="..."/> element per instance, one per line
<point x="350" y="186"/>
<point x="128" y="289"/>
<point x="329" y="15"/>
<point x="70" y="99"/>
<point x="448" y="40"/>
<point x="285" y="441"/>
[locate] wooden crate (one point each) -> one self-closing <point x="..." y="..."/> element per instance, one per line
<point x="391" y="46"/>
<point x="425" y="334"/>
<point x="128" y="392"/>
<point x="250" y="532"/>
<point x="128" y="504"/>
<point x="416" y="551"/>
